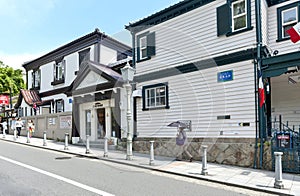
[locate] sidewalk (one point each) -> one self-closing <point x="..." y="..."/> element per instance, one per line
<point x="249" y="178"/>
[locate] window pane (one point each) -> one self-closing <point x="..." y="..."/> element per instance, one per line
<point x="289" y="15"/>
<point x="143" y="42"/>
<point x="285" y="28"/>
<point x="144" y="53"/>
<point x="240" y="22"/>
<point x="239" y="8"/>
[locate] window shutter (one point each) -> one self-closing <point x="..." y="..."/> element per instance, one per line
<point x="63" y="68"/>
<point x="151" y="44"/>
<point x="138" y="55"/>
<point x="32" y="79"/>
<point x="223" y="20"/>
<point x="54" y="72"/>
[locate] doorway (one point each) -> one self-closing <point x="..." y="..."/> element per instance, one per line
<point x="101" y="126"/>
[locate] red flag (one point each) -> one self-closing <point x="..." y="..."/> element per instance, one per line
<point x="294" y="32"/>
<point x="261" y="90"/>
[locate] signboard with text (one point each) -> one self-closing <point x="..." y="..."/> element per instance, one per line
<point x="4" y="99"/>
<point x="225" y="76"/>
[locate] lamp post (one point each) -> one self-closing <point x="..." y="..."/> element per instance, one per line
<point x="128" y="74"/>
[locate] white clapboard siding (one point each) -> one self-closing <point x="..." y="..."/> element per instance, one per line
<point x="264" y="22"/>
<point x="197" y="96"/>
<point x="192" y="37"/>
<point x="283" y="47"/>
<point x="285" y="100"/>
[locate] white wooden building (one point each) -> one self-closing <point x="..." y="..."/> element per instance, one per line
<point x="76" y="77"/>
<point x="197" y="61"/>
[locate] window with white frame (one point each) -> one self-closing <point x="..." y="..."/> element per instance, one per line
<point x="155" y="96"/>
<point x="59" y="71"/>
<point x="289" y="19"/>
<point x="59" y="105"/>
<point x="234" y="17"/>
<point x="145" y="46"/>
<point x="239" y="15"/>
<point x="36" y="79"/>
<point x="288" y="16"/>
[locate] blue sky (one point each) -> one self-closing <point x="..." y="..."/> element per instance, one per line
<point x="31" y="28"/>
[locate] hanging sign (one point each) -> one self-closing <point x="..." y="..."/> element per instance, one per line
<point x="4" y="99"/>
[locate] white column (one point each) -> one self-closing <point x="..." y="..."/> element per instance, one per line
<point x="87" y="151"/>
<point x="105" y="147"/>
<point x="151" y="153"/>
<point x="129" y="136"/>
<point x="204" y="161"/>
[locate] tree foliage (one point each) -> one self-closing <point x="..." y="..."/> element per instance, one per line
<point x="10" y="79"/>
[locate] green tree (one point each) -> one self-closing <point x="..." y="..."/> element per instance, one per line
<point x="10" y="79"/>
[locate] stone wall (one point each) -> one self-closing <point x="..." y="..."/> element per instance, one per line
<point x="239" y="151"/>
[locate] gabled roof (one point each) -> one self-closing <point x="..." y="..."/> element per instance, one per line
<point x="109" y="77"/>
<point x="30" y="97"/>
<point x="77" y="45"/>
<point x="174" y="11"/>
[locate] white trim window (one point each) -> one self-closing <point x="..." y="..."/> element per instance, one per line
<point x="239" y="15"/>
<point x="59" y="105"/>
<point x="143" y="47"/>
<point x="36" y="79"/>
<point x="59" y="71"/>
<point x="155" y="97"/>
<point x="289" y="19"/>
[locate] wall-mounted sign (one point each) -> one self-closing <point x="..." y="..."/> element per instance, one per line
<point x="65" y="122"/>
<point x="98" y="105"/>
<point x="4" y="99"/>
<point x="225" y="76"/>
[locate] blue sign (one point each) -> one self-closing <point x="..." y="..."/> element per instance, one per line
<point x="225" y="76"/>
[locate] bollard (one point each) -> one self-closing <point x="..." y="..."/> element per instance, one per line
<point x="151" y="162"/>
<point x="45" y="139"/>
<point x="87" y="151"/>
<point x="105" y="147"/>
<point x="4" y="133"/>
<point x="204" y="161"/>
<point x="278" y="170"/>
<point x="28" y="137"/>
<point x="15" y="135"/>
<point x="66" y="141"/>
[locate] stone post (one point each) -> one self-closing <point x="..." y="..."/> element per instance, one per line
<point x="45" y="138"/>
<point x="28" y="137"/>
<point x="204" y="161"/>
<point x="105" y="147"/>
<point x="151" y="162"/>
<point x="278" y="170"/>
<point x="87" y="151"/>
<point x="66" y="141"/>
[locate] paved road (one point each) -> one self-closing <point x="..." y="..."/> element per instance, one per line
<point x="26" y="170"/>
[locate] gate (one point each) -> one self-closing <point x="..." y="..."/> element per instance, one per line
<point x="286" y="140"/>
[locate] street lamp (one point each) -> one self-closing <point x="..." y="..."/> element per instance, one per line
<point x="128" y="74"/>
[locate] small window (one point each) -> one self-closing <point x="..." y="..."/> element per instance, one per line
<point x="234" y="17"/>
<point x="239" y="15"/>
<point x="36" y="79"/>
<point x="59" y="105"/>
<point x="155" y="96"/>
<point x="146" y="46"/>
<point x="84" y="56"/>
<point x="59" y="72"/>
<point x="288" y="16"/>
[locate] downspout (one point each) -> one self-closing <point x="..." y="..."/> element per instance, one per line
<point x="134" y="85"/>
<point x="259" y="62"/>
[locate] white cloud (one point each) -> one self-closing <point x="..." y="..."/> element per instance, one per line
<point x="16" y="60"/>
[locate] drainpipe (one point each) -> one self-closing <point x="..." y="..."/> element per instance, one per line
<point x="259" y="62"/>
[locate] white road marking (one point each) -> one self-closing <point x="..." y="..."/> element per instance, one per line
<point x="80" y="185"/>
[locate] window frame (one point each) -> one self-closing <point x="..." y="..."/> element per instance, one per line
<point x="154" y="87"/>
<point x="36" y="79"/>
<point x="149" y="47"/>
<point x="59" y="79"/>
<point x="62" y="104"/>
<point x="233" y="16"/>
<point x="83" y="55"/>
<point x="280" y="22"/>
<point x="225" y="18"/>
